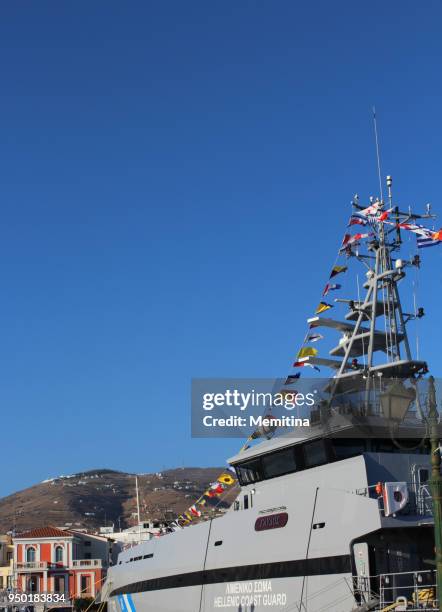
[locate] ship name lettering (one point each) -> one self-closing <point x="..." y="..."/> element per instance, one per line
<point x="262" y="586"/>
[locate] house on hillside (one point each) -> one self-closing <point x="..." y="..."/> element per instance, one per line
<point x="52" y="560"/>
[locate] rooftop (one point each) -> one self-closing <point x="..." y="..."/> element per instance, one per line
<point x="44" y="532"/>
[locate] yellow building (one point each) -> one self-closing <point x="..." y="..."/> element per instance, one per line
<point x="6" y="562"/>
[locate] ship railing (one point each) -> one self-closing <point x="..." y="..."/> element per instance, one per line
<point x="420" y="502"/>
<point x="397" y="591"/>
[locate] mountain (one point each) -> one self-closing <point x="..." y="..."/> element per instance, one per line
<point x="102" y="497"/>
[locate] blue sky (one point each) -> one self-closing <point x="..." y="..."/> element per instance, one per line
<point x="176" y="179"/>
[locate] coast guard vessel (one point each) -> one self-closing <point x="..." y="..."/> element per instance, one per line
<point x="339" y="519"/>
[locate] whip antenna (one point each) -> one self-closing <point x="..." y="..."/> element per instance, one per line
<point x="378" y="157"/>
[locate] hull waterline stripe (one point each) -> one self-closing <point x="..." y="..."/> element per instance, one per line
<point x="280" y="569"/>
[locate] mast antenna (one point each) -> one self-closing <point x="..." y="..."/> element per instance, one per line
<point x="378" y="157"/>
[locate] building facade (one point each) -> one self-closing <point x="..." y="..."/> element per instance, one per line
<point x="6" y="562"/>
<point x="52" y="560"/>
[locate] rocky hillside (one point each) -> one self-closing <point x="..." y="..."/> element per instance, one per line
<point x="102" y="497"/>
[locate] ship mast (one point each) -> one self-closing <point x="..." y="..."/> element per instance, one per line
<point x="374" y="345"/>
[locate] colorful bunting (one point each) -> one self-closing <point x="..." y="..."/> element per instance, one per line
<point x="330" y="287"/>
<point x="420" y="230"/>
<point x="314" y="337"/>
<point x="423" y="242"/>
<point x="226" y="479"/>
<point x="304" y="364"/>
<point x="348" y="240"/>
<point x="339" y="269"/>
<point x="307" y="351"/>
<point x="217" y="487"/>
<point x="357" y="219"/>
<point x="372" y="209"/>
<point x="323" y="306"/>
<point x="292" y="378"/>
<point x="384" y="215"/>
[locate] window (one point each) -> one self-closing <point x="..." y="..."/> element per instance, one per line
<point x="249" y="471"/>
<point x="85" y="582"/>
<point x="59" y="584"/>
<point x="277" y="464"/>
<point x="59" y="554"/>
<point x="32" y="584"/>
<point x="246" y="502"/>
<point x="87" y="555"/>
<point x="30" y="555"/>
<point x="344" y="448"/>
<point x="315" y="453"/>
<point x="87" y="542"/>
<point x="1" y="582"/>
<point x="284" y="461"/>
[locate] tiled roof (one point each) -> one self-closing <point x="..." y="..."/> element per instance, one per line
<point x="44" y="532"/>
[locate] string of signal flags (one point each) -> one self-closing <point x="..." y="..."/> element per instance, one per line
<point x="372" y="216"/>
<point x="222" y="484"/>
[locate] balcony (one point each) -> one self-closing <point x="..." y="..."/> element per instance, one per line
<point x="31" y="566"/>
<point x="36" y="566"/>
<point x="87" y="563"/>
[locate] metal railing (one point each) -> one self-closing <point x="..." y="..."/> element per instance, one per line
<point x="420" y="502"/>
<point x="398" y="592"/>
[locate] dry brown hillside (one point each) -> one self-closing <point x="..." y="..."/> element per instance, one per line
<point x="102" y="497"/>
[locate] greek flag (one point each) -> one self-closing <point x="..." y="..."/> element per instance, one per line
<point x="423" y="242"/>
<point x="126" y="603"/>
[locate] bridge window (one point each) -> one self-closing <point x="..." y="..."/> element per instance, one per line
<point x="344" y="448"/>
<point x="277" y="464"/>
<point x="249" y="471"/>
<point x="315" y="453"/>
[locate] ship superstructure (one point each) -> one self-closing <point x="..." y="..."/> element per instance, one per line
<point x="338" y="519"/>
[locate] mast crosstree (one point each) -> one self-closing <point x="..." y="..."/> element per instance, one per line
<point x="374" y="340"/>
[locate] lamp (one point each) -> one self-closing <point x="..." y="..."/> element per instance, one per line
<point x="396" y="401"/>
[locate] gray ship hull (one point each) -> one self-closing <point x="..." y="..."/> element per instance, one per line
<point x="230" y="563"/>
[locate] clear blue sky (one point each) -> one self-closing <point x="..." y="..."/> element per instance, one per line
<point x="175" y="179"/>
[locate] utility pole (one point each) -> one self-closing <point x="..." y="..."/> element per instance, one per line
<point x="436" y="484"/>
<point x="138" y="510"/>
